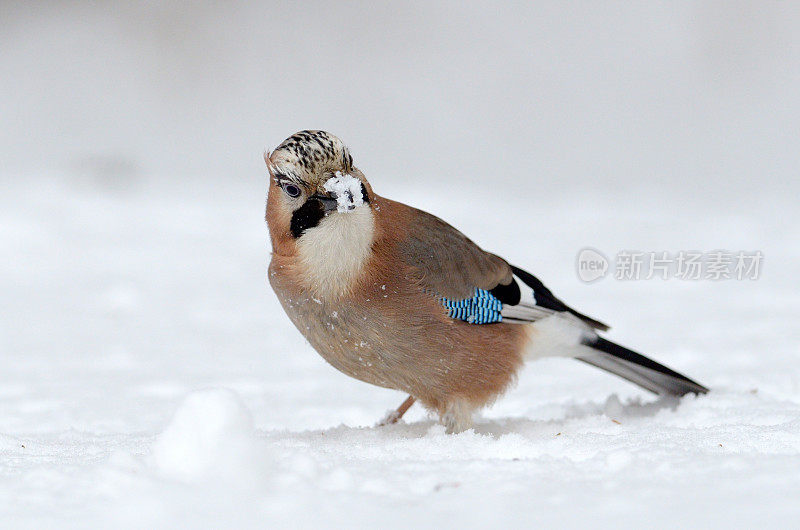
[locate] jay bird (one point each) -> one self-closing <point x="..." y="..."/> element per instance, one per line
<point x="396" y="297"/>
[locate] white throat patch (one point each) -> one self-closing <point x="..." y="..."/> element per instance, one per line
<point x="334" y="252"/>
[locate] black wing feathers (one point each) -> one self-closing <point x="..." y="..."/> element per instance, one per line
<point x="508" y="294"/>
<point x="548" y="300"/>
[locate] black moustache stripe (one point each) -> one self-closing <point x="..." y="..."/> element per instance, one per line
<point x="305" y="217"/>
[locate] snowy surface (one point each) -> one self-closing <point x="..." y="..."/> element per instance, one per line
<point x="151" y="379"/>
<point x="347" y="190"/>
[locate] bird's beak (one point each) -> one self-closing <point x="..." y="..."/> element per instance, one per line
<point x="328" y="201"/>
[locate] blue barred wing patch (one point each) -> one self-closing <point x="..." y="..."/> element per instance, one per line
<point x="483" y="308"/>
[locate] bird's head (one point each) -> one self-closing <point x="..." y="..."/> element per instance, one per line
<point x="312" y="180"/>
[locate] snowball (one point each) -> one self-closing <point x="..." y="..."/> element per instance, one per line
<point x="211" y="434"/>
<point x="347" y="189"/>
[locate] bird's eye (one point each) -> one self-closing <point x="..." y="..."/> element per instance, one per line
<point x="291" y="190"/>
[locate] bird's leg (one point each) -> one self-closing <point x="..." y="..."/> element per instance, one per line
<point x="395" y="415"/>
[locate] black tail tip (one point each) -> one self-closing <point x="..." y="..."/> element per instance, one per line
<point x="641" y="370"/>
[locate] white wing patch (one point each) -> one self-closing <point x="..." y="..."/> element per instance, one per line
<point x="526" y="311"/>
<point x="524" y="314"/>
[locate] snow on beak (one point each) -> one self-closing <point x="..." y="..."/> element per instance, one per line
<point x="345" y="190"/>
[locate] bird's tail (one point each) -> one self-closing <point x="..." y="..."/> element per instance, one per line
<point x="636" y="368"/>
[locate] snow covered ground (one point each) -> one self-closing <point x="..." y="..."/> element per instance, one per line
<point x="150" y="378"/>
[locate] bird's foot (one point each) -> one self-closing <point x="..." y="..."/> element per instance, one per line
<point x="395" y="415"/>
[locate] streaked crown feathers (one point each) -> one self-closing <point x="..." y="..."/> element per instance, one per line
<point x="307" y="155"/>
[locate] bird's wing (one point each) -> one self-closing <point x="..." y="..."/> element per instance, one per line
<point x="448" y="263"/>
<point x="475" y="285"/>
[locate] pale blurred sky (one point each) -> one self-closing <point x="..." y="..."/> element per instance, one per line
<point x="702" y="95"/>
